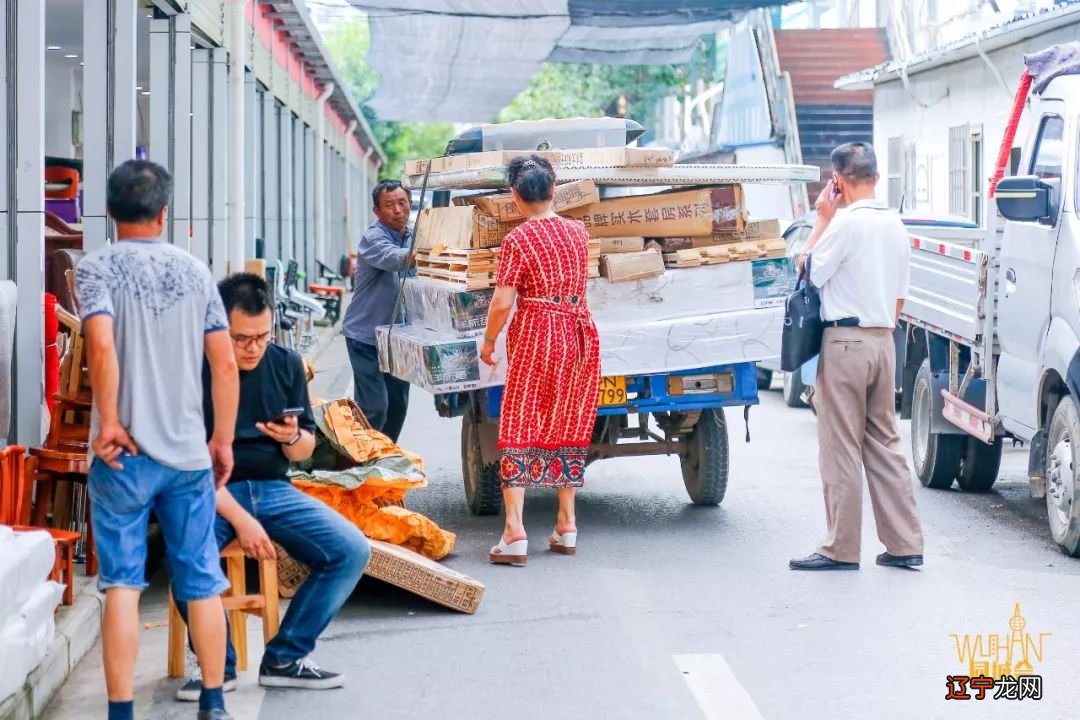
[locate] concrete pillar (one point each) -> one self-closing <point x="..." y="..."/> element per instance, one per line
<point x="286" y="184"/>
<point x="170" y="115"/>
<point x="271" y="182"/>
<point x="200" y="155"/>
<point x="219" y="137"/>
<point x="25" y="44"/>
<point x="109" y="73"/>
<point x="253" y="143"/>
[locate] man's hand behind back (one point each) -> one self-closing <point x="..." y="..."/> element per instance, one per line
<point x="112" y="440"/>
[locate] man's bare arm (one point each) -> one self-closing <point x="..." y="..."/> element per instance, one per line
<point x="104" y="367"/>
<point x="225" y="384"/>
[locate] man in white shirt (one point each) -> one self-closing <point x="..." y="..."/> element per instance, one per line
<point x="859" y="258"/>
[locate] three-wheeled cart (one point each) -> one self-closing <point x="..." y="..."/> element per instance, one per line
<point x="678" y="412"/>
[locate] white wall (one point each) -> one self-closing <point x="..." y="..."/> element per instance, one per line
<point x="965" y="92"/>
<point x="61" y="98"/>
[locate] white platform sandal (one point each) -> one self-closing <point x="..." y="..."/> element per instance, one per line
<point x="515" y="553"/>
<point x="563" y="544"/>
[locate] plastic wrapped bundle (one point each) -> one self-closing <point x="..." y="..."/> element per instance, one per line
<point x="446" y="308"/>
<point x="641" y="347"/>
<point x="438" y="362"/>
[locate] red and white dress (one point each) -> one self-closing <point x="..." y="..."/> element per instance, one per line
<point x="553" y="372"/>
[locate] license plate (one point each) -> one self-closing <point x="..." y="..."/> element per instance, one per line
<point x="613" y="391"/>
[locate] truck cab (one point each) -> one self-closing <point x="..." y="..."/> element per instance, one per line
<point x="993" y="329"/>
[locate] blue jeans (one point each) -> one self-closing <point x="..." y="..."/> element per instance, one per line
<point x="121" y="501"/>
<point x="316" y="535"/>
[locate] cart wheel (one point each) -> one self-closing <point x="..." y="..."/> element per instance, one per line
<point x="980" y="467"/>
<point x="793" y="389"/>
<point x="705" y="464"/>
<point x="937" y="457"/>
<point x="1062" y="480"/>
<point x="482" y="489"/>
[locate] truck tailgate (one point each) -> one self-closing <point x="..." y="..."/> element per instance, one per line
<point x="947" y="289"/>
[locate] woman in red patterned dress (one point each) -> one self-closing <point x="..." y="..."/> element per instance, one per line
<point x="553" y="360"/>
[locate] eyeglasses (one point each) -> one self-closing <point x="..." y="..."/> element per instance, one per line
<point x="248" y="341"/>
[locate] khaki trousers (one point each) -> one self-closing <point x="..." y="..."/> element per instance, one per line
<point x="856" y="416"/>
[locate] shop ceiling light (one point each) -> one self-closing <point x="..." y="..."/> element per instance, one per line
<point x="53" y="47"/>
<point x="71" y="57"/>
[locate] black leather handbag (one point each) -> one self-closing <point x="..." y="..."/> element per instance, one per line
<point x="803" y="328"/>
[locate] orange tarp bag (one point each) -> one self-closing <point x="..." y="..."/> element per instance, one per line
<point x="363" y="475"/>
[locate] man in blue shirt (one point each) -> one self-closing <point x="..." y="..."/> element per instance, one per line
<point x="382" y="257"/>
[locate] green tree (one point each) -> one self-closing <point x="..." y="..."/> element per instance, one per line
<point x="571" y="90"/>
<point x="556" y="91"/>
<point x="348" y="43"/>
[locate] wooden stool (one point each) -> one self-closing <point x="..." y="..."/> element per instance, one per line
<point x="237" y="602"/>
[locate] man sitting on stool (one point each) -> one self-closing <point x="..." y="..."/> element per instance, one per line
<point x="260" y="505"/>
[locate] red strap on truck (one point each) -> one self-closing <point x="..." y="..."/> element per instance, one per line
<point x="1010" y="130"/>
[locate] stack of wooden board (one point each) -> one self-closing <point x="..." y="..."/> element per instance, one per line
<point x="594" y="258"/>
<point x="733" y="252"/>
<point x="465" y="269"/>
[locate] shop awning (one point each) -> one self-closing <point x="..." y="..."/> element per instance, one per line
<point x="464" y="60"/>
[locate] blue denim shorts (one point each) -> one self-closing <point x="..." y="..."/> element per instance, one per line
<point x="185" y="505"/>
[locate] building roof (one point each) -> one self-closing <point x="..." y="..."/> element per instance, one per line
<point x="1010" y="32"/>
<point x="292" y="17"/>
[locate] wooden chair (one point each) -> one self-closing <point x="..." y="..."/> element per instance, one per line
<point x="238" y="603"/>
<point x="61" y="462"/>
<point x="15" y="471"/>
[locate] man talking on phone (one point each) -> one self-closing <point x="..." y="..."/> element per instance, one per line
<point x="859" y="258"/>
<point x="259" y="506"/>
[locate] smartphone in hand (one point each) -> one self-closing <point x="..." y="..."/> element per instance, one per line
<point x="287" y="413"/>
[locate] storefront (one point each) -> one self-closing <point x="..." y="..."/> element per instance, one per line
<point x="271" y="157"/>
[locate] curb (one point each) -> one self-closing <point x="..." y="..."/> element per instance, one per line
<point x="77" y="629"/>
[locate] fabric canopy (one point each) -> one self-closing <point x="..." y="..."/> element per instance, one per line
<point x="465" y="60"/>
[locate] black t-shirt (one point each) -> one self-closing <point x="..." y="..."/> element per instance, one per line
<point x="276" y="383"/>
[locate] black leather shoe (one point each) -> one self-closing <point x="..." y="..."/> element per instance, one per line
<point x="820" y="562"/>
<point x="900" y="561"/>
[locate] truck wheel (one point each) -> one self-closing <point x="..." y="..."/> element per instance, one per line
<point x="937" y="457"/>
<point x="705" y="464"/>
<point x="1062" y="484"/>
<point x="483" y="492"/>
<point x="764" y="379"/>
<point x="793" y="390"/>
<point x="979" y="469"/>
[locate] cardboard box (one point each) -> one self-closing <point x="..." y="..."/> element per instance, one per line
<point x="694" y="213"/>
<point x="571" y="158"/>
<point x="609" y="246"/>
<point x="752" y="230"/>
<point x="413" y="572"/>
<point x="443" y="307"/>
<point x="503" y="208"/>
<point x="459" y="228"/>
<point x="622" y="267"/>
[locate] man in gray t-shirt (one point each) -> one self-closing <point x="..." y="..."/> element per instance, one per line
<point x="150" y="313"/>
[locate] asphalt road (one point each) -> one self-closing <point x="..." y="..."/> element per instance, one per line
<point x="674" y="611"/>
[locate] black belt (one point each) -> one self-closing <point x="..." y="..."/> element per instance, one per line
<point x="843" y="322"/>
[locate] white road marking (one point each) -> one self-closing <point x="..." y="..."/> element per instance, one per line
<point x="715" y="687"/>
